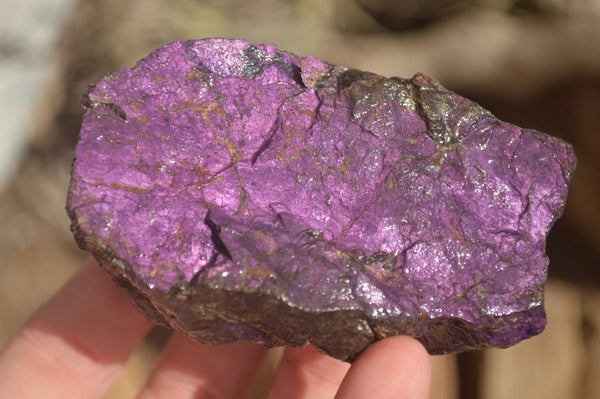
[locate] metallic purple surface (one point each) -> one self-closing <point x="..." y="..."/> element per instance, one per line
<point x="241" y="193"/>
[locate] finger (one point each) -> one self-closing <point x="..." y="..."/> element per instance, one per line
<point x="396" y="367"/>
<point x="192" y="370"/>
<point x="306" y="373"/>
<point x="75" y="345"/>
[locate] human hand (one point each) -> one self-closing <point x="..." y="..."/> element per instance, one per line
<point x="76" y="344"/>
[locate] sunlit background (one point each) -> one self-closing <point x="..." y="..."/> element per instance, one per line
<point x="535" y="63"/>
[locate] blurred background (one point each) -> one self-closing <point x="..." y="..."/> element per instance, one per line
<point x="535" y="63"/>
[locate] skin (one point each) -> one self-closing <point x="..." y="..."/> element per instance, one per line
<point x="76" y="344"/>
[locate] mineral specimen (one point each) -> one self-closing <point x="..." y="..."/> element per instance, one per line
<point x="242" y="193"/>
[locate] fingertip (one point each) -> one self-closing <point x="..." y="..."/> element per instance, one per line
<point x="393" y="367"/>
<point x="412" y="351"/>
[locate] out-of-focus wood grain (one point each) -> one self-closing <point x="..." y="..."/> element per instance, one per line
<point x="444" y="377"/>
<point x="549" y="366"/>
<point x="591" y="339"/>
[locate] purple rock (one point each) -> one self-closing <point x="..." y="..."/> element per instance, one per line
<point x="242" y="193"/>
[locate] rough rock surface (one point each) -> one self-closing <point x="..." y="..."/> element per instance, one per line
<point x="242" y="193"/>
